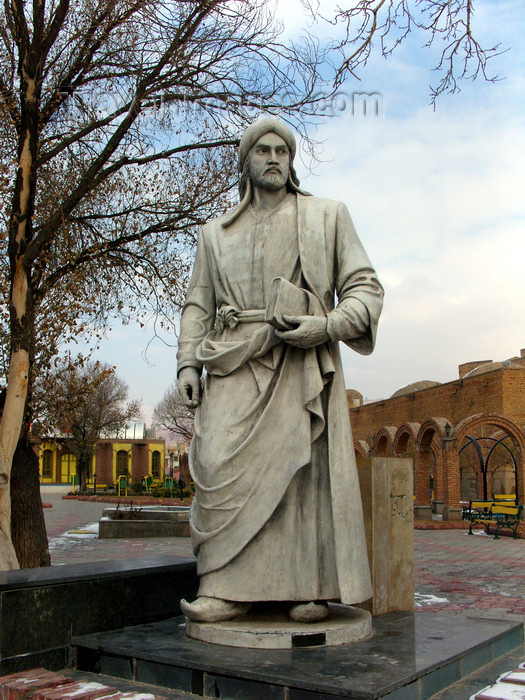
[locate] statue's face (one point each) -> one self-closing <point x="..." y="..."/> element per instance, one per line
<point x="269" y="162"/>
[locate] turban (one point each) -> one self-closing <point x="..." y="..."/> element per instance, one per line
<point x="259" y="128"/>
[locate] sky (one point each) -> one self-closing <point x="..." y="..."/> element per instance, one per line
<point x="438" y="200"/>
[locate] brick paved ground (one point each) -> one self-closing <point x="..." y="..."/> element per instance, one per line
<point x="66" y="515"/>
<point x="454" y="572"/>
<point x="464" y="571"/>
<point x="472" y="572"/>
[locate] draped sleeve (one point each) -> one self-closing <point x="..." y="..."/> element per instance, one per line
<point x="198" y="313"/>
<point x="359" y="292"/>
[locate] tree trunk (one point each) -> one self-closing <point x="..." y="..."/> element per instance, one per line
<point x="10" y="427"/>
<point x="82" y="471"/>
<point x="28" y="529"/>
<point x="21" y="309"/>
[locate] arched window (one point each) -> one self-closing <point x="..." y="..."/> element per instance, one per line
<point x="122" y="463"/>
<point x="155" y="464"/>
<point x="47" y="464"/>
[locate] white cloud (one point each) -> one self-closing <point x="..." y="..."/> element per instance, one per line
<point x="437" y="198"/>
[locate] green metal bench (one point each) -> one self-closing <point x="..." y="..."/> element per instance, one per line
<point x="499" y="513"/>
<point x="507" y="517"/>
<point x="479" y="513"/>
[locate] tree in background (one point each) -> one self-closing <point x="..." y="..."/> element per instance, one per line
<point x="447" y="25"/>
<point x="171" y="414"/>
<point x="84" y="403"/>
<point x="118" y="118"/>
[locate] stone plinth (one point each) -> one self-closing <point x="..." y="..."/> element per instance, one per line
<point x="172" y="513"/>
<point x="423" y="512"/>
<point x="452" y="514"/>
<point x="275" y="631"/>
<point x="386" y="491"/>
<point x="112" y="594"/>
<point x="437" y="507"/>
<point x="410" y="656"/>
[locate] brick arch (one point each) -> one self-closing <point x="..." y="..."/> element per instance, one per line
<point x="496" y="420"/>
<point x="434" y="426"/>
<point x="383" y="441"/>
<point x="429" y="449"/>
<point x="503" y="426"/>
<point x="361" y="448"/>
<point x="405" y="432"/>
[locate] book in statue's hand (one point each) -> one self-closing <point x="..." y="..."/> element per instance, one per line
<point x="285" y="300"/>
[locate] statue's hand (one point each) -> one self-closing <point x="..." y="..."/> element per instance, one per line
<point x="310" y="331"/>
<point x="189" y="386"/>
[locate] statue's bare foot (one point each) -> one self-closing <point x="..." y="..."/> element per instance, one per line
<point x="206" y="609"/>
<point x="309" y="612"/>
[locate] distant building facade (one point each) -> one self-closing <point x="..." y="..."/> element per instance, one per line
<point x="466" y="437"/>
<point x="176" y="458"/>
<point x="138" y="457"/>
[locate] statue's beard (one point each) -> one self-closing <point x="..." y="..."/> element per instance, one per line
<point x="272" y="181"/>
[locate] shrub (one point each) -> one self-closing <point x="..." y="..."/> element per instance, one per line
<point x="162" y="492"/>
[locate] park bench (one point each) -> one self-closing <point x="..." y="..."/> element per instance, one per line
<point x="502" y="514"/>
<point x="508" y="498"/>
<point x="500" y="498"/>
<point x="507" y="517"/>
<point x="100" y="487"/>
<point x="478" y="513"/>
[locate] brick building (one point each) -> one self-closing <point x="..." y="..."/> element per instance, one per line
<point x="466" y="436"/>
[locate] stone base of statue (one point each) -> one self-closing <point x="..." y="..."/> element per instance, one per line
<point x="272" y="629"/>
<point x="409" y="655"/>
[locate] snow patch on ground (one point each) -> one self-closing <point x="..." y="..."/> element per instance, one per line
<point x="496" y="591"/>
<point x="85" y="687"/>
<point x="90" y="532"/>
<point x="422" y="599"/>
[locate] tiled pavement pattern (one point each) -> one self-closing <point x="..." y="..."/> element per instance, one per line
<point x="469" y="571"/>
<point x="472" y="572"/>
<point x="66" y="515"/>
<point x="455" y="572"/>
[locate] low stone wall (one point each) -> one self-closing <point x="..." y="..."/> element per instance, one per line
<point x="125" y="529"/>
<point x="137" y="501"/>
<point x="41" y="609"/>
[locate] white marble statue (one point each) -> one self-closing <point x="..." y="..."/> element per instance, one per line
<point x="277" y="513"/>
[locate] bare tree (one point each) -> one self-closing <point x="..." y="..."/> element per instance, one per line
<point x="119" y="117"/>
<point x="448" y="24"/>
<point x="117" y="122"/>
<point x="171" y="414"/>
<point x="85" y="403"/>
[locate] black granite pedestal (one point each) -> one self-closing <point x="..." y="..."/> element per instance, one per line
<point x="409" y="657"/>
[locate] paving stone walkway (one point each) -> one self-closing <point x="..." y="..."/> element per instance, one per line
<point x="470" y="572"/>
<point x="67" y="515"/>
<point x="454" y="572"/>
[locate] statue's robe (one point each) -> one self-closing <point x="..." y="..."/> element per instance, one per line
<point x="277" y="513"/>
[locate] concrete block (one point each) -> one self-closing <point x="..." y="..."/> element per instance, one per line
<point x="386" y="492"/>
